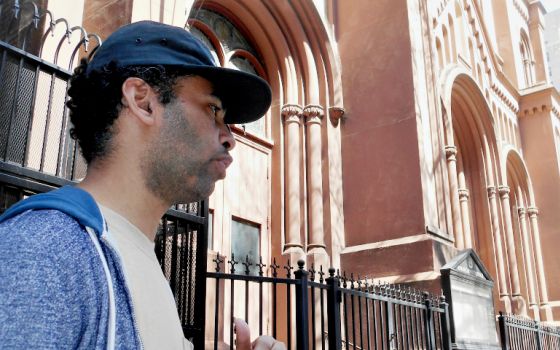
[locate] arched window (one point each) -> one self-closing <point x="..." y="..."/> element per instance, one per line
<point x="441" y="63"/>
<point x="230" y="49"/>
<point x="526" y="61"/>
<point x="446" y="45"/>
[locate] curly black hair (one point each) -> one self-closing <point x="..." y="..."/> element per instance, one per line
<point x="95" y="101"/>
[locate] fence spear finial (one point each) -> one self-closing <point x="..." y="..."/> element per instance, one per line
<point x="232" y="262"/>
<point x="218" y="261"/>
<point x="274" y="268"/>
<point x="261" y="266"/>
<point x="247" y="264"/>
<point x="312" y="272"/>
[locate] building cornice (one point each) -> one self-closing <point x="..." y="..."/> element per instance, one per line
<point x="539" y="99"/>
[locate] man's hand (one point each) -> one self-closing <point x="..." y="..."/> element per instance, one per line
<point x="243" y="339"/>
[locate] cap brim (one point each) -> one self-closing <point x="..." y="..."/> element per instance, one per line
<point x="246" y="97"/>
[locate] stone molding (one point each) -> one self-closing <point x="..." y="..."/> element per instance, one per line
<point x="504" y="191"/>
<point x="450" y="152"/>
<point x="315" y="246"/>
<point x="532" y="211"/>
<point x="292" y="113"/>
<point x="522" y="10"/>
<point x="463" y="194"/>
<point x="313" y="114"/>
<point x="491" y="191"/>
<point x="335" y="114"/>
<point x="521" y="211"/>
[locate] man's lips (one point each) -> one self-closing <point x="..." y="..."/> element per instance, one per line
<point x="226" y="160"/>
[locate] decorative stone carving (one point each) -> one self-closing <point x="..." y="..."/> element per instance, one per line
<point x="532" y="211"/>
<point x="504" y="191"/>
<point x="463" y="194"/>
<point x="292" y="113"/>
<point x="450" y="152"/>
<point x="521" y="211"/>
<point x="335" y="114"/>
<point x="491" y="191"/>
<point x="313" y="114"/>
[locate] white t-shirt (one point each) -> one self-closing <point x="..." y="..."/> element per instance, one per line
<point x="154" y="306"/>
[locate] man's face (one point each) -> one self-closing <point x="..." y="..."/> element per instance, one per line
<point x="191" y="151"/>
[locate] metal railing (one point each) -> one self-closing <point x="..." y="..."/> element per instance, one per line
<point x="181" y="249"/>
<point x="34" y="125"/>
<point x="308" y="310"/>
<point x="520" y="333"/>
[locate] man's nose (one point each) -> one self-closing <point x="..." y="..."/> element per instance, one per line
<point x="226" y="137"/>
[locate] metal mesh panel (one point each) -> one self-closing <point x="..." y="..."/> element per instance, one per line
<point x="8" y="68"/>
<point x="20" y="117"/>
<point x="191" y="208"/>
<point x="176" y="249"/>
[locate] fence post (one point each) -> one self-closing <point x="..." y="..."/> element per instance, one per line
<point x="390" y="329"/>
<point x="446" y="334"/>
<point x="334" y="298"/>
<point x="302" y="304"/>
<point x="429" y="323"/>
<point x="504" y="337"/>
<point x="538" y="329"/>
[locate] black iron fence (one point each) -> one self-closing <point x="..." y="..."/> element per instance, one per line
<point x="37" y="53"/>
<point x="520" y="333"/>
<point x="181" y="248"/>
<point x="311" y="309"/>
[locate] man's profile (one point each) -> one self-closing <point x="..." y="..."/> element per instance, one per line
<point x="150" y="112"/>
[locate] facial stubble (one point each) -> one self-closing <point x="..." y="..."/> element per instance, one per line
<point x="173" y="166"/>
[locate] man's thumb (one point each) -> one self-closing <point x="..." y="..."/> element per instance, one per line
<point x="242" y="334"/>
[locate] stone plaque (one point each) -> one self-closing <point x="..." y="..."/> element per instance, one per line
<point x="468" y="289"/>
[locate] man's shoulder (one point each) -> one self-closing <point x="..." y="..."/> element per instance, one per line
<point x="51" y="290"/>
<point x="42" y="234"/>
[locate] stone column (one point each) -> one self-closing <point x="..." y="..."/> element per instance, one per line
<point x="316" y="240"/>
<point x="451" y="153"/>
<point x="528" y="257"/>
<point x="519" y="303"/>
<point x="533" y="213"/>
<point x="503" y="290"/>
<point x="292" y="115"/>
<point x="465" y="216"/>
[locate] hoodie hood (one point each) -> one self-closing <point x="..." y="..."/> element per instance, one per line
<point x="70" y="200"/>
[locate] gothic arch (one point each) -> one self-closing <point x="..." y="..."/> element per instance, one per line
<point x="474" y="174"/>
<point x="301" y="63"/>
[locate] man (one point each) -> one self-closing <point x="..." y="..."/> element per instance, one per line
<point x="150" y="112"/>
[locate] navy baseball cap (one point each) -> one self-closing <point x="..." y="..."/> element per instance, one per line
<point x="246" y="97"/>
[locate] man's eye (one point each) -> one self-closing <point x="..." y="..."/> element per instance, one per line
<point x="215" y="109"/>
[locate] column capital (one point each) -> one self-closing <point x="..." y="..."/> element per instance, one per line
<point x="335" y="114"/>
<point x="292" y="113"/>
<point x="491" y="191"/>
<point x="450" y="152"/>
<point x="521" y="211"/>
<point x="504" y="191"/>
<point x="313" y="114"/>
<point x="532" y="211"/>
<point x="463" y="194"/>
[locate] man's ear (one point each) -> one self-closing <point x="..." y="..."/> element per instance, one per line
<point x="138" y="97"/>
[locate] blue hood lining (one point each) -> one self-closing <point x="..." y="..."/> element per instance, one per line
<point x="70" y="200"/>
